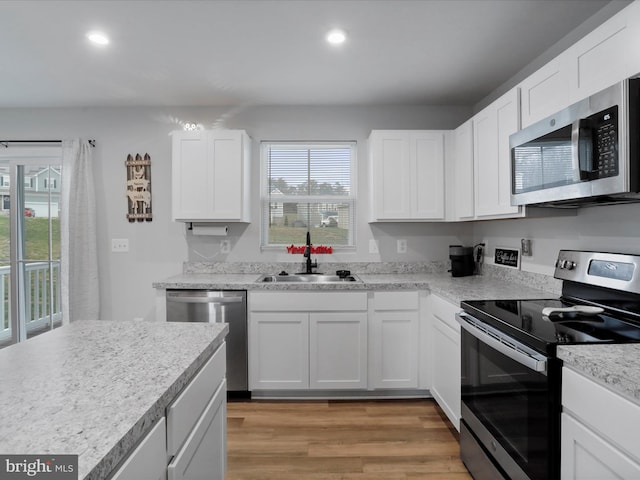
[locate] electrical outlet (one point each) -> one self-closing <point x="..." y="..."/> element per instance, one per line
<point x="225" y="246"/>
<point x="119" y="245"/>
<point x="373" y="246"/>
<point x="401" y="246"/>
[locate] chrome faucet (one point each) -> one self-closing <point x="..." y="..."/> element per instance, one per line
<point x="307" y="254"/>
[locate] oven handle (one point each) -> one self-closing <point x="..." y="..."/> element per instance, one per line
<point x="502" y="343"/>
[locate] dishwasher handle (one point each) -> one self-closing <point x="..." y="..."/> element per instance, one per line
<point x="176" y="297"/>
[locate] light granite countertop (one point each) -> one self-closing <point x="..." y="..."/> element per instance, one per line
<point x="616" y="366"/>
<point x="454" y="289"/>
<point x="94" y="388"/>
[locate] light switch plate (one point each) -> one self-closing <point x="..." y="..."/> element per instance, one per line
<point x="225" y="246"/>
<point x="119" y="245"/>
<point x="402" y="246"/>
<point x="373" y="246"/>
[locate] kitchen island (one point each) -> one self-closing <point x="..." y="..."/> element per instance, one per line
<point x="96" y="388"/>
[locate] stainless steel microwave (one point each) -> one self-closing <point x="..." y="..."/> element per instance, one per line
<point x="586" y="154"/>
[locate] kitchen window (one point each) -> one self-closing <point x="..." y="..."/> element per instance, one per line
<point x="308" y="187"/>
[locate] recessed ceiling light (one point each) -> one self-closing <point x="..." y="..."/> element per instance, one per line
<point x="336" y="37"/>
<point x="98" y="38"/>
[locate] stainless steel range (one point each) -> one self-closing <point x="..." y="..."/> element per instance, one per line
<point x="511" y="377"/>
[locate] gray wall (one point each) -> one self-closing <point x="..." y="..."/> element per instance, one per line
<point x="614" y="228"/>
<point x="158" y="248"/>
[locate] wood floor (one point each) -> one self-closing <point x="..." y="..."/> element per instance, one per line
<point x="341" y="440"/>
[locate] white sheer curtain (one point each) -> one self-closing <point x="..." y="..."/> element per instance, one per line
<point x="79" y="265"/>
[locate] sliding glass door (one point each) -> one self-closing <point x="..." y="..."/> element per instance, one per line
<point x="30" y="180"/>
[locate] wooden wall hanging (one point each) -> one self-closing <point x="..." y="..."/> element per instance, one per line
<point x="139" y="188"/>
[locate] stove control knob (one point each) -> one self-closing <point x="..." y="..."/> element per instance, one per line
<point x="562" y="264"/>
<point x="571" y="265"/>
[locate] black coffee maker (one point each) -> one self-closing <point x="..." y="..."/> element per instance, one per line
<point x="462" y="264"/>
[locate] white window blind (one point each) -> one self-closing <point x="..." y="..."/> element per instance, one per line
<point x="308" y="187"/>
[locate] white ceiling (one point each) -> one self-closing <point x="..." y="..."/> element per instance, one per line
<point x="272" y="52"/>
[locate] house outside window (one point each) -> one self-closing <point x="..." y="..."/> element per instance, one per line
<point x="308" y="187"/>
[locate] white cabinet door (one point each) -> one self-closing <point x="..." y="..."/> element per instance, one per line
<point x="426" y="151"/>
<point x="445" y="357"/>
<point x="394" y="349"/>
<point x="191" y="176"/>
<point x="408" y="175"/>
<point x="391" y="167"/>
<point x="462" y="181"/>
<point x="602" y="58"/>
<point x="279" y="351"/>
<point x="492" y="157"/>
<point x="546" y="91"/>
<point x="338" y="350"/>
<point x="149" y="459"/>
<point x="203" y="456"/>
<point x="587" y="456"/>
<point x="210" y="175"/>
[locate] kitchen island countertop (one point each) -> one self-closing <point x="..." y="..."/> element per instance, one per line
<point x="95" y="388"/>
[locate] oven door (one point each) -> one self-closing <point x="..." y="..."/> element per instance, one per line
<point x="509" y="404"/>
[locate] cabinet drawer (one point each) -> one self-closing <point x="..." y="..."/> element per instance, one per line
<point x="608" y="413"/>
<point x="444" y="311"/>
<point x="395" y="301"/>
<point x="307" y="301"/>
<point x="149" y="458"/>
<point x="204" y="453"/>
<point x="185" y="411"/>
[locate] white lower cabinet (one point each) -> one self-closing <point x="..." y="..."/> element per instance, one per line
<point x="588" y="456"/>
<point x="307" y="340"/>
<point x="149" y="459"/>
<point x="599" y="438"/>
<point x="334" y="340"/>
<point x="445" y="357"/>
<point x="395" y="340"/>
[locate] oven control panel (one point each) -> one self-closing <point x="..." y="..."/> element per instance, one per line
<point x="611" y="270"/>
<point x="565" y="264"/>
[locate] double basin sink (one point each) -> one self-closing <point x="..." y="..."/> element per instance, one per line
<point x="283" y="277"/>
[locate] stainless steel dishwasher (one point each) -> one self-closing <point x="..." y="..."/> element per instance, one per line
<point x="224" y="306"/>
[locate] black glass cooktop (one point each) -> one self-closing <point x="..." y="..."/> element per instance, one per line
<point x="523" y="320"/>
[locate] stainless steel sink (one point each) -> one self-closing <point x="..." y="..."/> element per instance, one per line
<point x="306" y="278"/>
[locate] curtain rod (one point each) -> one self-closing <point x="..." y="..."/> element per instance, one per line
<point x="7" y="142"/>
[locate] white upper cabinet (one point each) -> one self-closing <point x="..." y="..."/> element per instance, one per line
<point x="407" y="169"/>
<point x="210" y="176"/>
<point x="602" y="58"/>
<point x="462" y="192"/>
<point x="492" y="157"/>
<point x="545" y="92"/>
<point x="605" y="56"/>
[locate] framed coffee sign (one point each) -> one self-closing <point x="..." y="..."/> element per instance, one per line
<point x="508" y="257"/>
